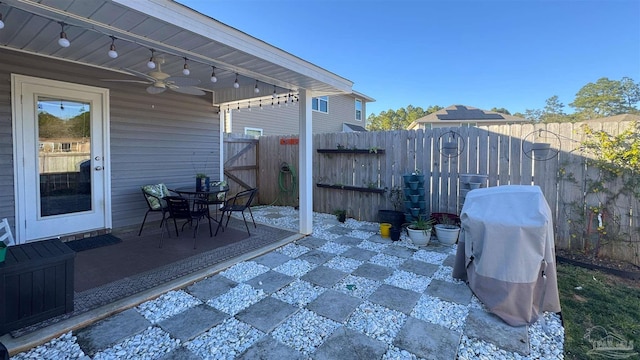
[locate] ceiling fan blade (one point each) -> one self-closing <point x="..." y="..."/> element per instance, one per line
<point x="189" y="90"/>
<point x="140" y="74"/>
<point x="155" y="90"/>
<point x="182" y="81"/>
<point x="127" y="81"/>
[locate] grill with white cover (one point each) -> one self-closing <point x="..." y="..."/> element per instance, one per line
<point x="506" y="252"/>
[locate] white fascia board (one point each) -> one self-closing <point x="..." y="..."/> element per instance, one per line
<point x="191" y="20"/>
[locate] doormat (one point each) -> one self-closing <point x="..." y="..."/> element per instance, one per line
<point x="93" y="242"/>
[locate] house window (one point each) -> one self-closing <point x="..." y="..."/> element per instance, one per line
<point x="253" y="131"/>
<point x="358" y="110"/>
<point x="320" y="104"/>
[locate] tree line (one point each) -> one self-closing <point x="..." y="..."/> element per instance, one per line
<point x="603" y="98"/>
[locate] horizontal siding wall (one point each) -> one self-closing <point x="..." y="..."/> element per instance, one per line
<point x="166" y="138"/>
<point x="273" y="121"/>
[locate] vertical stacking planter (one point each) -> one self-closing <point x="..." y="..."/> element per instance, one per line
<point x="414" y="192"/>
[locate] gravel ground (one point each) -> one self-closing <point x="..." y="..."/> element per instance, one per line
<point x="305" y="330"/>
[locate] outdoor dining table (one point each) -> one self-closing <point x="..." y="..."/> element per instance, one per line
<point x="203" y="195"/>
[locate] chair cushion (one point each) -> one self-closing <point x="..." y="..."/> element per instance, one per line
<point x="219" y="196"/>
<point x="158" y="191"/>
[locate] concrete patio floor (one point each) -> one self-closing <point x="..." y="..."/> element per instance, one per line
<point x="343" y="293"/>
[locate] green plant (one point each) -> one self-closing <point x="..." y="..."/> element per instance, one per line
<point x="373" y="150"/>
<point x="396" y="197"/>
<point x="340" y="147"/>
<point x="340" y="214"/>
<point x="201" y="176"/>
<point x="422" y="224"/>
<point x="447" y="221"/>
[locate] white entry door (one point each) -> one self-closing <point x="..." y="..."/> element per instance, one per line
<point x="62" y="178"/>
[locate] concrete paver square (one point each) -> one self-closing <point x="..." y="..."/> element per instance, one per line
<point x="339" y="230"/>
<point x="373" y="271"/>
<point x="324" y="276"/>
<point x="419" y="267"/>
<point x="192" y="322"/>
<point x="210" y="288"/>
<point x="348" y="240"/>
<point x="316" y="256"/>
<point x="379" y="239"/>
<point x="269" y="348"/>
<point x="272" y="259"/>
<point x="457" y="293"/>
<point x="181" y="353"/>
<point x="345" y="343"/>
<point x="334" y="305"/>
<point x="428" y="341"/>
<point x="395" y="298"/>
<point x="271" y="281"/>
<point x="449" y="261"/>
<point x="359" y="254"/>
<point x="399" y="251"/>
<point x="266" y="314"/>
<point x="490" y="328"/>
<point x="110" y="331"/>
<point x="311" y="242"/>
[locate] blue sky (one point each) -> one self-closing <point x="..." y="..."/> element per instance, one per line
<point x="512" y="54"/>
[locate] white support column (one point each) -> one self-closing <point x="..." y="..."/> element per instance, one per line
<point x="221" y="150"/>
<point x="305" y="172"/>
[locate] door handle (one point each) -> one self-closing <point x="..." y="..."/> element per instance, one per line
<point x="98" y="168"/>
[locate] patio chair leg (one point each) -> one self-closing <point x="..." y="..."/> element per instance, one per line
<point x="252" y="219"/>
<point x="220" y="224"/>
<point x="176" y="226"/>
<point x="143" y="221"/>
<point x="245" y="223"/>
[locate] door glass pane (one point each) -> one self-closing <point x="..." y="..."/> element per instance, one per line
<point x="64" y="156"/>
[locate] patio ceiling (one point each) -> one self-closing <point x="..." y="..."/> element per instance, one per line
<point x="174" y="31"/>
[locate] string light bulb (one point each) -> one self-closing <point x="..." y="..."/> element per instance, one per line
<point x="151" y="64"/>
<point x="185" y="68"/>
<point x="63" y="41"/>
<point x="274" y="92"/>
<point x="112" y="49"/>
<point x="235" y="83"/>
<point x="256" y="89"/>
<point x="214" y="79"/>
<point x="1" y="22"/>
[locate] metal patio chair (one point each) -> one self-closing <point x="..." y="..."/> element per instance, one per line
<point x="239" y="203"/>
<point x="181" y="209"/>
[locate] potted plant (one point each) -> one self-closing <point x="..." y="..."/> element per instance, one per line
<point x="394" y="217"/>
<point x="420" y="230"/>
<point x="341" y="215"/>
<point x="447" y="230"/>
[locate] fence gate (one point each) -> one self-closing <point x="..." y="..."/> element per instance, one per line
<point x="241" y="163"/>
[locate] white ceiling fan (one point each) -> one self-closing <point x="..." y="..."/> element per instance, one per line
<point x="160" y="81"/>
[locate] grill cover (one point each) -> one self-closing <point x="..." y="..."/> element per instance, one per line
<point x="506" y="245"/>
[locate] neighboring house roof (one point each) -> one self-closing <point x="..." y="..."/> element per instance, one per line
<point x="458" y="114"/>
<point x="617" y="118"/>
<point x="351" y="127"/>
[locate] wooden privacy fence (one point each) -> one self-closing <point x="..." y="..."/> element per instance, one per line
<point x="354" y="171"/>
<point x="240" y="162"/>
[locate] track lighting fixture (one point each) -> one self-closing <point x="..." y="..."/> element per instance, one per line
<point x="112" y="49"/>
<point x="213" y="75"/>
<point x="235" y="83"/>
<point x="151" y="64"/>
<point x="185" y="68"/>
<point x="63" y="41"/>
<point x="256" y="90"/>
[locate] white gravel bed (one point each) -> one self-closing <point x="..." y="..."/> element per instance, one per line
<point x="376" y="321"/>
<point x="299" y="293"/>
<point x="546" y="338"/>
<point x="372" y="246"/>
<point x="236" y="299"/>
<point x="343" y="264"/>
<point x="408" y="280"/>
<point x="334" y="248"/>
<point x="444" y="273"/>
<point x="244" y="271"/>
<point x="387" y="260"/>
<point x="304" y="330"/>
<point x="431" y="257"/>
<point x="322" y="233"/>
<point x="360" y="234"/>
<point x="293" y="250"/>
<point x="64" y="347"/>
<point x="152" y="343"/>
<point x="476" y="303"/>
<point x="394" y="353"/>
<point x="444" y="313"/>
<point x="167" y="305"/>
<point x="295" y="267"/>
<point x="357" y="286"/>
<point x="225" y="341"/>
<point x="472" y="349"/>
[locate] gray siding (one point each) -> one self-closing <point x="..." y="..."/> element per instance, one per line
<point x="166" y="138"/>
<point x="284" y="120"/>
